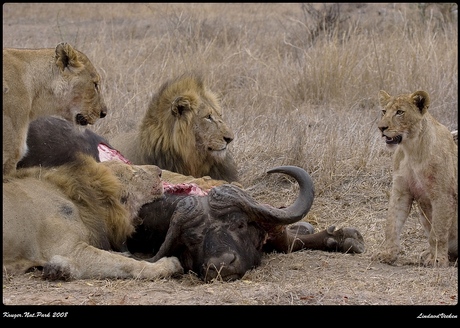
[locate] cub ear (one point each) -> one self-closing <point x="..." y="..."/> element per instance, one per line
<point x="421" y="100"/>
<point x="66" y="57"/>
<point x="383" y="98"/>
<point x="180" y="105"/>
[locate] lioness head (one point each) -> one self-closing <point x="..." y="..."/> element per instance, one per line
<point x="78" y="86"/>
<point x="400" y="115"/>
<point x="183" y="129"/>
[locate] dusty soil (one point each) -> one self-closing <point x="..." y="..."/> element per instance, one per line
<point x="302" y="278"/>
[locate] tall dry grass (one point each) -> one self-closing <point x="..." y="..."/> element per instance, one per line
<point x="298" y="82"/>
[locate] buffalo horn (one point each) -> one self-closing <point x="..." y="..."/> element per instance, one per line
<point x="225" y="195"/>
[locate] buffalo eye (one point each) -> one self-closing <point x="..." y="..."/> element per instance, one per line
<point x="237" y="224"/>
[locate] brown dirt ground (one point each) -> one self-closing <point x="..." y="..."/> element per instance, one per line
<point x="310" y="278"/>
<point x="302" y="278"/>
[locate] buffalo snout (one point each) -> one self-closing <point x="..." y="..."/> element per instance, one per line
<point x="223" y="267"/>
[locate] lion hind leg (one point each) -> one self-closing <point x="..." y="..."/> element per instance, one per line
<point x="443" y="229"/>
<point x="58" y="268"/>
<point x="437" y="255"/>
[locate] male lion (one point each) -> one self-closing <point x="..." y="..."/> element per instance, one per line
<point x="183" y="131"/>
<point x="425" y="171"/>
<point x="38" y="82"/>
<point x="69" y="219"/>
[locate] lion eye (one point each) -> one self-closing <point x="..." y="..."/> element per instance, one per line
<point x="383" y="112"/>
<point x="96" y="86"/>
<point x="399" y="112"/>
<point x="209" y="117"/>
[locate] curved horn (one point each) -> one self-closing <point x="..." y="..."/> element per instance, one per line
<point x="225" y="196"/>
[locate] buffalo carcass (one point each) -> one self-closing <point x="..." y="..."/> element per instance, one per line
<point x="224" y="234"/>
<point x="53" y="141"/>
<point x="220" y="235"/>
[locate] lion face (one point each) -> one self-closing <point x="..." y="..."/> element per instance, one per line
<point x="212" y="134"/>
<point x="43" y="82"/>
<point x="183" y="131"/>
<point x="401" y="115"/>
<point x="80" y="86"/>
<point x="141" y="184"/>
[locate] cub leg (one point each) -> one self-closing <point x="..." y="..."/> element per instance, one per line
<point x="441" y="222"/>
<point x="398" y="211"/>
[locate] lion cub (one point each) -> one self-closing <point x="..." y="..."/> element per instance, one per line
<point x="39" y="82"/>
<point x="425" y="171"/>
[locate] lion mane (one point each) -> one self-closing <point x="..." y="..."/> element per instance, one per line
<point x="425" y="170"/>
<point x="73" y="220"/>
<point x="183" y="131"/>
<point x="83" y="183"/>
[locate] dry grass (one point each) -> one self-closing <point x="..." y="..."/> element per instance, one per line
<point x="299" y="86"/>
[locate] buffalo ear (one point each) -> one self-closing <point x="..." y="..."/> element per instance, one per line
<point x="421" y="99"/>
<point x="66" y="57"/>
<point x="383" y="98"/>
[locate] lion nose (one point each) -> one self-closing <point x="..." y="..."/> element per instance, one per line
<point x="228" y="140"/>
<point x="383" y="128"/>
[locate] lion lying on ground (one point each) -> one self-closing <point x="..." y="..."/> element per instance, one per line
<point x="425" y="171"/>
<point x="183" y="131"/>
<point x="70" y="219"/>
<point x="38" y="82"/>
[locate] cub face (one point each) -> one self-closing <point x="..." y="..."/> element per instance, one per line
<point x="401" y="115"/>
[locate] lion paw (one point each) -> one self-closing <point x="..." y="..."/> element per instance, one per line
<point x="346" y="240"/>
<point x="430" y="260"/>
<point x="388" y="256"/>
<point x="58" y="268"/>
<point x="171" y="265"/>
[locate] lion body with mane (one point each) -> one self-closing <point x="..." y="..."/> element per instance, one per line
<point x="71" y="220"/>
<point x="39" y="82"/>
<point x="425" y="171"/>
<point x="183" y="131"/>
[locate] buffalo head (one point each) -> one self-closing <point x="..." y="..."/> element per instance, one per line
<point x="224" y="234"/>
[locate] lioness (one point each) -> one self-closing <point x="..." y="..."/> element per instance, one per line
<point x="425" y="171"/>
<point x="38" y="82"/>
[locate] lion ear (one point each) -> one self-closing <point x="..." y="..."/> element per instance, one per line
<point x="421" y="100"/>
<point x="383" y="98"/>
<point x="66" y="57"/>
<point x="180" y="105"/>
